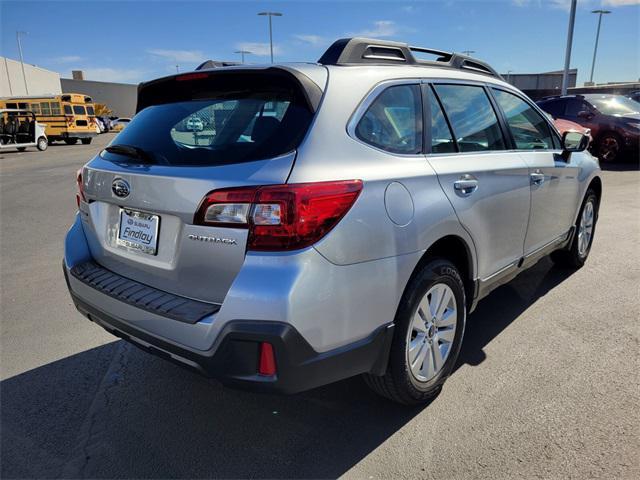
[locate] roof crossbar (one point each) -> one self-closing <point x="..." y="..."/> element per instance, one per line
<point x="358" y="51"/>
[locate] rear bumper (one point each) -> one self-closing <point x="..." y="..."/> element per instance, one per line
<point x="233" y="358"/>
<point x="79" y="134"/>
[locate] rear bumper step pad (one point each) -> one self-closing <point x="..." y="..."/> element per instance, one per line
<point x="142" y="296"/>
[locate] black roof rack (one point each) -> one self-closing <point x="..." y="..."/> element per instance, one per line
<point x="358" y="51"/>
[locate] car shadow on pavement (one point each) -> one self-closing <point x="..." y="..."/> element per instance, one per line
<point x="117" y="412"/>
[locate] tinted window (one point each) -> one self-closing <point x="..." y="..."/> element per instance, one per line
<point x="12" y="105"/>
<point x="229" y="127"/>
<point x="574" y="106"/>
<point x="90" y="110"/>
<point x="79" y="110"/>
<point x="554" y="107"/>
<point x="441" y="138"/>
<point x="67" y="109"/>
<point x="472" y="118"/>
<point x="393" y="122"/>
<point x="530" y="131"/>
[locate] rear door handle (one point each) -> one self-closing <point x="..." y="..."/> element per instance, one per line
<point x="537" y="178"/>
<point x="466" y="186"/>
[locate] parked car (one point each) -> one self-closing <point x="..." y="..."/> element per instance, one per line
<point x="194" y="124"/>
<point x="100" y="128"/>
<point x="343" y="234"/>
<point x="119" y="124"/>
<point x="563" y="125"/>
<point x="635" y="96"/>
<point x="614" y="121"/>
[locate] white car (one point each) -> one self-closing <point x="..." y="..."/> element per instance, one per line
<point x="194" y="124"/>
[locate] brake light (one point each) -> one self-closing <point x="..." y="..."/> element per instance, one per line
<point x="80" y="195"/>
<point x="267" y="363"/>
<point x="280" y="217"/>
<point x="191" y="76"/>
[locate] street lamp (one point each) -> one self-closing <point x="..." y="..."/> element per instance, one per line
<point x="24" y="76"/>
<point x="270" y="14"/>
<point x="509" y="76"/>
<point x="595" y="49"/>
<point x="567" y="52"/>
<point x="468" y="52"/>
<point x="243" y="53"/>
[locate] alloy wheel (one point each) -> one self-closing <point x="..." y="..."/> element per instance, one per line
<point x="431" y="333"/>
<point x="585" y="229"/>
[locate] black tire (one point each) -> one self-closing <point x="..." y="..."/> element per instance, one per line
<point x="21" y="149"/>
<point x="70" y="141"/>
<point x="42" y="144"/>
<point x="609" y="147"/>
<point x="86" y="141"/>
<point x="398" y="383"/>
<point x="572" y="257"/>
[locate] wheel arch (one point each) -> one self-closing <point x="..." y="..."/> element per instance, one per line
<point x="458" y="251"/>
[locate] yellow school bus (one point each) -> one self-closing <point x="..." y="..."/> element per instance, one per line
<point x="68" y="117"/>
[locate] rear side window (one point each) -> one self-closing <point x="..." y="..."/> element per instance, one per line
<point x="441" y="138"/>
<point x="553" y="107"/>
<point x="530" y="131"/>
<point x="67" y="110"/>
<point x="472" y="118"/>
<point x="90" y="110"/>
<point x="79" y="110"/>
<point x="227" y="118"/>
<point x="393" y="122"/>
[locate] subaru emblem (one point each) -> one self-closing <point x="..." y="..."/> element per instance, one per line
<point x="120" y="188"/>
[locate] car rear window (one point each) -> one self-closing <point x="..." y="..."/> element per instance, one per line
<point x="90" y="110"/>
<point x="230" y="120"/>
<point x="79" y="110"/>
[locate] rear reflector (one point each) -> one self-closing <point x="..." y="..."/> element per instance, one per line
<point x="267" y="364"/>
<point x="280" y="217"/>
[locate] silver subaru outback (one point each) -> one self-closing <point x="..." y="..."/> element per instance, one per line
<point x="329" y="219"/>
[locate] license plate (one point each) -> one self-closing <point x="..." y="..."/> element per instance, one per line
<point x="139" y="231"/>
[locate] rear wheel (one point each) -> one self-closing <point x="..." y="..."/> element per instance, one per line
<point x="70" y="141"/>
<point x="609" y="147"/>
<point x="42" y="144"/>
<point x="86" y="141"/>
<point x="585" y="228"/>
<point x="428" y="336"/>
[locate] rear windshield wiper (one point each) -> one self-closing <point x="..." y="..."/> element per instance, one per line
<point x="131" y="151"/>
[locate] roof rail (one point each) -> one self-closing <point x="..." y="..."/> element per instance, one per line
<point x="358" y="51"/>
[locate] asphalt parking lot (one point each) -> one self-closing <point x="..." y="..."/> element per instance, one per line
<point x="547" y="385"/>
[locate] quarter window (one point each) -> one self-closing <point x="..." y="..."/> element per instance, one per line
<point x="530" y="131"/>
<point x="393" y="122"/>
<point x="441" y="138"/>
<point x="472" y="118"/>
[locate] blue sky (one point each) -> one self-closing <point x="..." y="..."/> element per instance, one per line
<point x="134" y="41"/>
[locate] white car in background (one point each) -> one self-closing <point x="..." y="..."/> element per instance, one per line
<point x="195" y="124"/>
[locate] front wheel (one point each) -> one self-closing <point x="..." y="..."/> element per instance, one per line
<point x="609" y="147"/>
<point x="86" y="141"/>
<point x="428" y="335"/>
<point x="585" y="228"/>
<point x="42" y="144"/>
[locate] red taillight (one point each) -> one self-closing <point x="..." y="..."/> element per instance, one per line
<point x="80" y="195"/>
<point x="191" y="76"/>
<point x="280" y="217"/>
<point x="267" y="363"/>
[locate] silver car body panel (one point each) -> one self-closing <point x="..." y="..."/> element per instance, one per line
<point x="352" y="280"/>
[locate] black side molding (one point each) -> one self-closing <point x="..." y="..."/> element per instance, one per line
<point x="142" y="296"/>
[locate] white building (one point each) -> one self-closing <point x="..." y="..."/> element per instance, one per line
<point x="38" y="80"/>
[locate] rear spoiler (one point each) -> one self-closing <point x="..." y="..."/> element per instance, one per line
<point x="169" y="89"/>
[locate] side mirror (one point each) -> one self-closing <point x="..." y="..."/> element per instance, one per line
<point x="573" y="141"/>
<point x="585" y="115"/>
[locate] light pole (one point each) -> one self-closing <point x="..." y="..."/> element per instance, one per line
<point x="270" y="14"/>
<point x="509" y="76"/>
<point x="567" y="53"/>
<point x="177" y="68"/>
<point x="243" y="53"/>
<point x="595" y="49"/>
<point x="468" y="52"/>
<point x="24" y="76"/>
